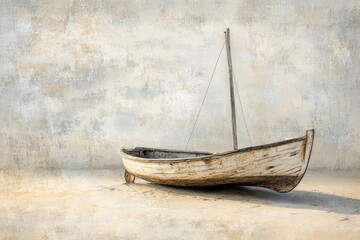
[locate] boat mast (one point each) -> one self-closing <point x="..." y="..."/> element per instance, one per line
<point x="232" y="101"/>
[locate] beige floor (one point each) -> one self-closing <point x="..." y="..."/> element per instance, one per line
<point x="97" y="205"/>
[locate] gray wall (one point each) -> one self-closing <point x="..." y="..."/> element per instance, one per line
<point x="80" y="79"/>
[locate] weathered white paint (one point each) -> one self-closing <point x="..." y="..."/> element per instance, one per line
<point x="279" y="166"/>
<point x="80" y="79"/>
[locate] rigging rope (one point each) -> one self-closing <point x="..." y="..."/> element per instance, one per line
<point x="242" y="109"/>
<point x="207" y="89"/>
<point x="206" y="92"/>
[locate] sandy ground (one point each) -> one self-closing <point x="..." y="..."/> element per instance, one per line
<point x="98" y="205"/>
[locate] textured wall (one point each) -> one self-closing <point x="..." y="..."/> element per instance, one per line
<point x="80" y="79"/>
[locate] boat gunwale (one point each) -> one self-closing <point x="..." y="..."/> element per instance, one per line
<point x="204" y="157"/>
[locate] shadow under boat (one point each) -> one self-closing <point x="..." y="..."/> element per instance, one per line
<point x="296" y="199"/>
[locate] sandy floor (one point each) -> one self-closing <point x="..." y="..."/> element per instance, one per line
<point x="97" y="205"/>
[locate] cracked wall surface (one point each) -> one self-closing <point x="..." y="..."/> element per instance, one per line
<point x="81" y="79"/>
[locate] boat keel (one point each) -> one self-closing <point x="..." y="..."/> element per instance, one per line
<point x="129" y="178"/>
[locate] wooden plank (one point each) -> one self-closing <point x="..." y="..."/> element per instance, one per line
<point x="232" y="101"/>
<point x="279" y="166"/>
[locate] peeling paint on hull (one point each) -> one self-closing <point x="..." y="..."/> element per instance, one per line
<point x="279" y="166"/>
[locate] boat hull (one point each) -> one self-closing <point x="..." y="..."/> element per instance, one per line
<point x="279" y="166"/>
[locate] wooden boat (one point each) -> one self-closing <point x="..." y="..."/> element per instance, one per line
<point x="279" y="166"/>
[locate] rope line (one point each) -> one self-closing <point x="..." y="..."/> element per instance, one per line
<point x="242" y="109"/>
<point x="206" y="92"/>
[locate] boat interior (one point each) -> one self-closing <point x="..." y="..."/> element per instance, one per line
<point x="154" y="153"/>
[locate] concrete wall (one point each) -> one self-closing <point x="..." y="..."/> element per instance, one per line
<point x="80" y="79"/>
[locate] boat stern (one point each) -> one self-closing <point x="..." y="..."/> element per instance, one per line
<point x="288" y="184"/>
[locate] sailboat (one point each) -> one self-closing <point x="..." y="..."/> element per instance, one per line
<point x="279" y="166"/>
